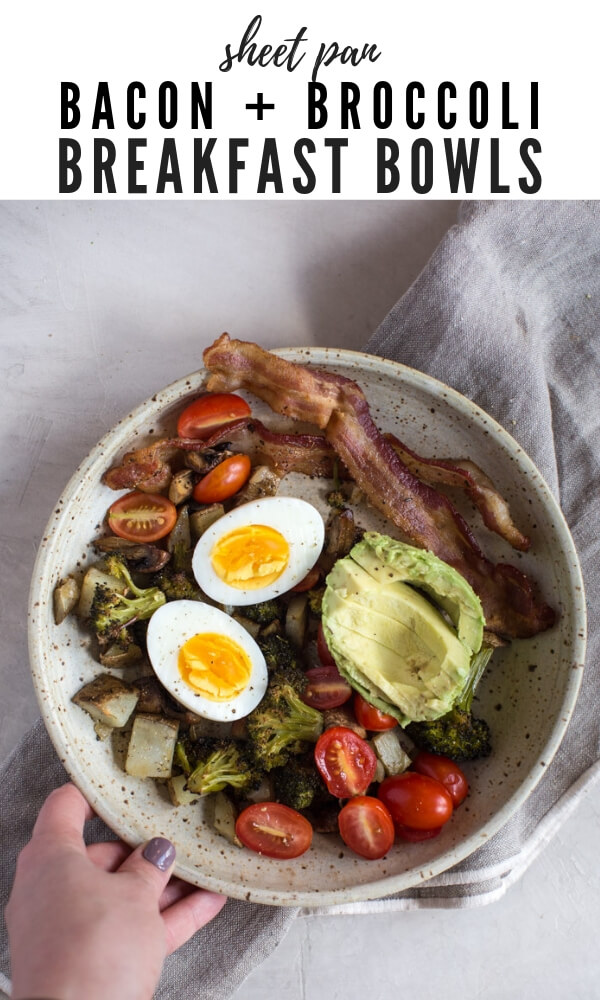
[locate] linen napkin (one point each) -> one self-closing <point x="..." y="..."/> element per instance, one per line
<point x="508" y="312"/>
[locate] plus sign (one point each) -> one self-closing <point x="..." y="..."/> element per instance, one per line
<point x="260" y="106"/>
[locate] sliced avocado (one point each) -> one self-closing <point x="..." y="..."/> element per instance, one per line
<point x="379" y="554"/>
<point x="390" y="641"/>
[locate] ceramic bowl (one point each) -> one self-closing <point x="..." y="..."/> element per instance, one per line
<point x="527" y="695"/>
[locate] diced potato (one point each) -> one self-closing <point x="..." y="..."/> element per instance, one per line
<point x="116" y="656"/>
<point x="181" y="486"/>
<point x="252" y="628"/>
<point x="224" y="818"/>
<point x="180" y="536"/>
<point x="66" y="596"/>
<point x="108" y="700"/>
<point x="390" y="751"/>
<point x="92" y="578"/>
<point x="296" y="619"/>
<point x="200" y="520"/>
<point x="178" y="793"/>
<point x="151" y="747"/>
<point x="264" y="792"/>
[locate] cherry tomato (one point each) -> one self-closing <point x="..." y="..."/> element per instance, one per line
<point x="370" y="717"/>
<point x="326" y="688"/>
<point x="207" y="413"/>
<point x="346" y="762"/>
<point x="414" y="836"/>
<point x="416" y="800"/>
<point x="274" y="829"/>
<point x="366" y="827"/>
<point x="224" y="480"/>
<point x="142" y="517"/>
<point x="311" y="578"/>
<point x="444" y="770"/>
<point x="323" y="649"/>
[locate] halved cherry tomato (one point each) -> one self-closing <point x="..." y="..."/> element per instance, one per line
<point x="416" y="801"/>
<point x="414" y="836"/>
<point x="274" y="829"/>
<point x="311" y="578"/>
<point x="370" y="717"/>
<point x="207" y="413"/>
<point x="224" y="480"/>
<point x="326" y="688"/>
<point x="366" y="827"/>
<point x="444" y="770"/>
<point x="142" y="517"/>
<point x="323" y="649"/>
<point x="346" y="762"/>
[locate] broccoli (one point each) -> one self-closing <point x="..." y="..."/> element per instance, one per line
<point x="176" y="585"/>
<point x="458" y="734"/>
<point x="111" y="611"/>
<point x="184" y="756"/>
<point x="278" y="652"/>
<point x="337" y="500"/>
<point x="298" y="784"/>
<point x="315" y="601"/>
<point x="282" y="724"/>
<point x="221" y="763"/>
<point x="263" y="613"/>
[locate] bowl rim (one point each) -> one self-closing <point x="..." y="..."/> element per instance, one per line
<point x="390" y="884"/>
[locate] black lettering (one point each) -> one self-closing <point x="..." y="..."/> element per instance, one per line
<point x="533" y="186"/>
<point x="350" y="98"/>
<point x="134" y="165"/>
<point x="535" y="110"/>
<point x="311" y="180"/>
<point x="69" y="171"/>
<point x="412" y="120"/>
<point x="478" y="105"/>
<point x="103" y="165"/>
<point x="135" y="90"/>
<point x="203" y="165"/>
<point x="336" y="146"/>
<point x="167" y="105"/>
<point x="496" y="187"/>
<point x="382" y="104"/>
<point x="270" y="171"/>
<point x="461" y="164"/>
<point x="422" y="166"/>
<point x="446" y="90"/>
<point x="202" y="102"/>
<point x="70" y="115"/>
<point x="317" y="112"/>
<point x="506" y="122"/>
<point x="388" y="175"/>
<point x="168" y="171"/>
<point x="102" y="107"/>
<point x="235" y="164"/>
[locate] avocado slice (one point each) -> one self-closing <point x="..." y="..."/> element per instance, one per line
<point x="389" y="640"/>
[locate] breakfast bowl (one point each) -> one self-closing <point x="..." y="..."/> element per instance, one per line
<point x="527" y="694"/>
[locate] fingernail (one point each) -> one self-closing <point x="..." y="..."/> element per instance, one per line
<point x="160" y="852"/>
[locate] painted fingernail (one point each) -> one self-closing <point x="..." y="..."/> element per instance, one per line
<point x="160" y="852"/>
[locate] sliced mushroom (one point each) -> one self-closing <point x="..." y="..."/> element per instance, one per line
<point x="139" y="556"/>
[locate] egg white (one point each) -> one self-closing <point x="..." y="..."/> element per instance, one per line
<point x="176" y="622"/>
<point x="300" y="524"/>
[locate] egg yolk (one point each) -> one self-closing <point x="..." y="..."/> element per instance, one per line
<point x="215" y="666"/>
<point x="250" y="557"/>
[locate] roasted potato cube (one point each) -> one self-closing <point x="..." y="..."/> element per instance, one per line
<point x="108" y="700"/>
<point x="151" y="747"/>
<point x="178" y="793"/>
<point x="66" y="596"/>
<point x="390" y="751"/>
<point x="224" y="817"/>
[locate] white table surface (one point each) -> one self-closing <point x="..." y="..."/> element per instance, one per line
<point x="101" y="304"/>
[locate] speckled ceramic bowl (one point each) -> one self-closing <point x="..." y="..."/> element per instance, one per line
<point x="527" y="695"/>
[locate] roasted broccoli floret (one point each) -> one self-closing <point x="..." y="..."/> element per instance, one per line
<point x="220" y="764"/>
<point x="458" y="734"/>
<point x="282" y="724"/>
<point x="337" y="500"/>
<point x="111" y="612"/>
<point x="278" y="652"/>
<point x="263" y="613"/>
<point x="176" y="585"/>
<point x="298" y="784"/>
<point x="315" y="601"/>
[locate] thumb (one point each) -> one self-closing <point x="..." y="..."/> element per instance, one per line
<point x="152" y="862"/>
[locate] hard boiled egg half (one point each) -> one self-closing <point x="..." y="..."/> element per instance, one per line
<point x="206" y="660"/>
<point x="258" y="550"/>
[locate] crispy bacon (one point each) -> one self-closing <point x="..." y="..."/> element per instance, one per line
<point x="149" y="469"/>
<point x="468" y="476"/>
<point x="425" y="517"/>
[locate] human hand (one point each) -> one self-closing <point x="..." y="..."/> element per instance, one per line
<point x="95" y="921"/>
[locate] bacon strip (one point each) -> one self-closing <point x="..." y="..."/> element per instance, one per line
<point x="425" y="517"/>
<point x="466" y="475"/>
